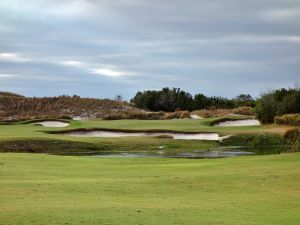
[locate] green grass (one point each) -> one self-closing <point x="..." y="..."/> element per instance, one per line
<point x="31" y="132"/>
<point x="178" y="125"/>
<point x="43" y="189"/>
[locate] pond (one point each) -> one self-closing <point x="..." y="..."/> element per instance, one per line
<point x="115" y="134"/>
<point x="198" y="154"/>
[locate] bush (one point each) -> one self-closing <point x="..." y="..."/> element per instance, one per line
<point x="259" y="143"/>
<point x="185" y="115"/>
<point x="277" y="103"/>
<point x="288" y="119"/>
<point x="292" y="138"/>
<point x="266" y="109"/>
<point x="268" y="143"/>
<point x="213" y="112"/>
<point x="134" y="115"/>
<point x="177" y="115"/>
<point x="248" y="111"/>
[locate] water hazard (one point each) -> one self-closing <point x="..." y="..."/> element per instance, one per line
<point x="200" y="154"/>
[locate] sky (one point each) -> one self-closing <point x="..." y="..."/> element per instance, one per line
<point x="103" y="48"/>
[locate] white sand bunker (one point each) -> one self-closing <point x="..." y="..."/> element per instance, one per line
<point x="53" y="124"/>
<point x="239" y="123"/>
<point x="198" y="136"/>
<point x="196" y="117"/>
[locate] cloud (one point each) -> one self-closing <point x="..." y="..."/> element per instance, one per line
<point x="282" y="14"/>
<point x="218" y="47"/>
<point x="93" y="68"/>
<point x="108" y="72"/>
<point x="6" y="75"/>
<point x="13" y="57"/>
<point x="73" y="63"/>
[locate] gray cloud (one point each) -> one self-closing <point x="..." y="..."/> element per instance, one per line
<point x="103" y="48"/>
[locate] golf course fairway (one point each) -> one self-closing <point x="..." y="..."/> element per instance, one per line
<point x="248" y="190"/>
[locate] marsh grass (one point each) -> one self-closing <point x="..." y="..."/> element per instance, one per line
<point x="266" y="143"/>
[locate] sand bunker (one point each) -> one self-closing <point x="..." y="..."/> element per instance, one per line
<point x="197" y="136"/>
<point x="239" y="123"/>
<point x="53" y="124"/>
<point x="196" y="117"/>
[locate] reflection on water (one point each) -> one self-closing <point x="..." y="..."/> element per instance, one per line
<point x="197" y="154"/>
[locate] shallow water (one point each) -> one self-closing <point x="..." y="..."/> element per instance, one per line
<point x="197" y="136"/>
<point x="52" y="124"/>
<point x="239" y="123"/>
<point x="201" y="154"/>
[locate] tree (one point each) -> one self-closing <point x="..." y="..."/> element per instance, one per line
<point x="119" y="98"/>
<point x="244" y="100"/>
<point x="266" y="109"/>
<point x="278" y="102"/>
<point x="200" y="101"/>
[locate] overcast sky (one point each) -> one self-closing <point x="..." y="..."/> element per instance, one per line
<point x="101" y="48"/>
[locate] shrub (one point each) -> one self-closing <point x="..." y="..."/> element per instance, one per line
<point x="266" y="109"/>
<point x="259" y="143"/>
<point x="276" y="103"/>
<point x="134" y="115"/>
<point x="292" y="138"/>
<point x="248" y="111"/>
<point x="185" y="114"/>
<point x="288" y="119"/>
<point x="268" y="143"/>
<point x="177" y="115"/>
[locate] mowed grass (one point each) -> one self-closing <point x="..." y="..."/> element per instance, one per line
<point x="45" y="189"/>
<point x="21" y="131"/>
<point x="202" y="125"/>
<point x="31" y="132"/>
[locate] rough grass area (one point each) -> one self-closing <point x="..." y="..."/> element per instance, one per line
<point x="14" y="107"/>
<point x="288" y="119"/>
<point x="42" y="189"/>
<point x="209" y="113"/>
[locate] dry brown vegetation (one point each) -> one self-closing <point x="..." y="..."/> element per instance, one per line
<point x="177" y="115"/>
<point x="247" y="111"/>
<point x="133" y="114"/>
<point x="16" y="107"/>
<point x="288" y="119"/>
<point x="144" y="115"/>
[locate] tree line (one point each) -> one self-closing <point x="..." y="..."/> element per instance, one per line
<point x="267" y="106"/>
<point x="172" y="99"/>
<point x="276" y="103"/>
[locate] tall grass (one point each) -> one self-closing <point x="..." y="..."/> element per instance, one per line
<point x="288" y="119"/>
<point x="267" y="143"/>
<point x="213" y="112"/>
